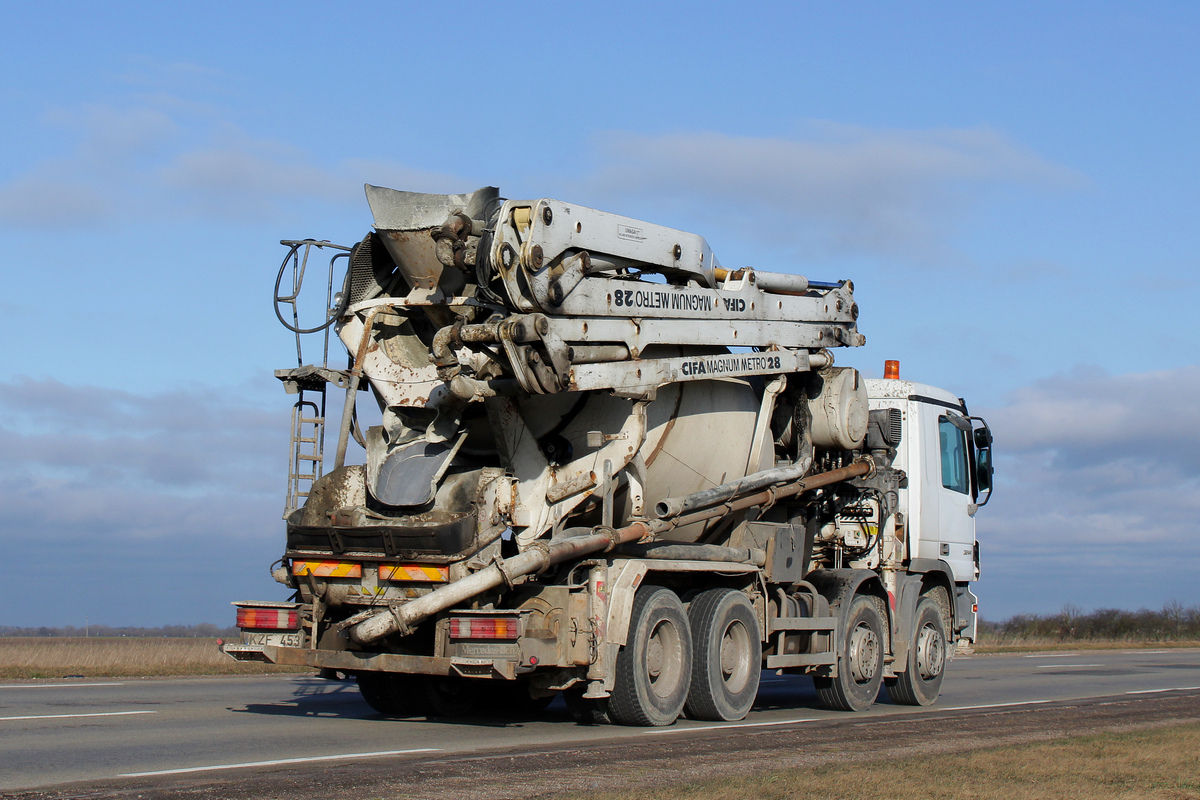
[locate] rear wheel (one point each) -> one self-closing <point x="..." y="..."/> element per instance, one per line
<point x="921" y="682"/>
<point x="451" y="695"/>
<point x="513" y="698"/>
<point x="860" y="660"/>
<point x="727" y="661"/>
<point x="393" y="694"/>
<point x="654" y="667"/>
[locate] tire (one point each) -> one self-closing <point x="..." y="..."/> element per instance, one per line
<point x="941" y="600"/>
<point x="451" y="695"/>
<point x="727" y="657"/>
<point x="860" y="660"/>
<point x="921" y="682"/>
<point x="654" y="668"/>
<point x="512" y="699"/>
<point x="393" y="694"/>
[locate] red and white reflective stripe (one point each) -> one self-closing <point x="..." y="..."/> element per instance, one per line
<point x="485" y="627"/>
<point x="270" y="619"/>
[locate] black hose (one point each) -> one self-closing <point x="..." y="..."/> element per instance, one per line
<point x="338" y="312"/>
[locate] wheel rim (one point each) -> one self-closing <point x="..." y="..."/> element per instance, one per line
<point x="664" y="658"/>
<point x="931" y="652"/>
<point x="735" y="657"/>
<point x="864" y="653"/>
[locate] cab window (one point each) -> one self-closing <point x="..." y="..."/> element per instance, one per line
<point x="955" y="473"/>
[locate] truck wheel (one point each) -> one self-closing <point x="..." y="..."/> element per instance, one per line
<point x="393" y="694"/>
<point x="860" y="661"/>
<point x="512" y="698"/>
<point x="451" y="695"/>
<point x="727" y="661"/>
<point x="921" y="682"/>
<point x="654" y="667"/>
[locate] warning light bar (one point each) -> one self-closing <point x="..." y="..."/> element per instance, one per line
<point x="269" y="619"/>
<point x="485" y="627"/>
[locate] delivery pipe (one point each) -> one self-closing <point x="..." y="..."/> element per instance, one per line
<point x="539" y="557"/>
<point x="543" y="555"/>
<point x="674" y="506"/>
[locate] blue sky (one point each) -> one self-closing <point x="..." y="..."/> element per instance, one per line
<point x="1011" y="189"/>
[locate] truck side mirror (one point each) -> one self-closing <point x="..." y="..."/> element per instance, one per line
<point x="983" y="471"/>
<point x="982" y="439"/>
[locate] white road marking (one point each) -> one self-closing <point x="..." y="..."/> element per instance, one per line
<point x="996" y="705"/>
<point x="1050" y="655"/>
<point x="277" y="762"/>
<point x="734" y="725"/>
<point x="1057" y="666"/>
<point x="1176" y="689"/>
<point x="55" y="685"/>
<point x="72" y="716"/>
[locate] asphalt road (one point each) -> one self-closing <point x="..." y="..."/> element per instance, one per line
<point x="55" y="732"/>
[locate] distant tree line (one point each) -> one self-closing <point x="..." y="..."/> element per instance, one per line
<point x="1174" y="622"/>
<point x="204" y="630"/>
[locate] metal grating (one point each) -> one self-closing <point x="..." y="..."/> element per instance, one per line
<point x="895" y="425"/>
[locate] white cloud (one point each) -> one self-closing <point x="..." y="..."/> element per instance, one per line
<point x="116" y="132"/>
<point x="159" y="156"/>
<point x="46" y="198"/>
<point x="71" y="446"/>
<point x="138" y="508"/>
<point x="834" y="189"/>
<point x="1087" y="410"/>
<point x="1098" y="490"/>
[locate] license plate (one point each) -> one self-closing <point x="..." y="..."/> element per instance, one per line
<point x="275" y="639"/>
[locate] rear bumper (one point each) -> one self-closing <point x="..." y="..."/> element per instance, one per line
<point x="341" y="660"/>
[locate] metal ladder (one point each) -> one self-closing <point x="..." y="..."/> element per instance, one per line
<point x="306" y="450"/>
<point x="307" y="446"/>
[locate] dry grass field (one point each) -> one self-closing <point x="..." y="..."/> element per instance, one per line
<point x="1158" y="764"/>
<point x="57" y="657"/>
<point x="1032" y="644"/>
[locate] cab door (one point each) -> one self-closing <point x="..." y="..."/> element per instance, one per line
<point x="956" y="507"/>
<point x="947" y="527"/>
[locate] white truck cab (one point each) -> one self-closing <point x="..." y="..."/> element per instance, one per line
<point x="946" y="455"/>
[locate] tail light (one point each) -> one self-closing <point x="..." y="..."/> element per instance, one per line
<point x="268" y="619"/>
<point x="486" y="627"/>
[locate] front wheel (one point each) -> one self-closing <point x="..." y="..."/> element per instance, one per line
<point x="860" y="660"/>
<point x="654" y="667"/>
<point x="921" y="682"/>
